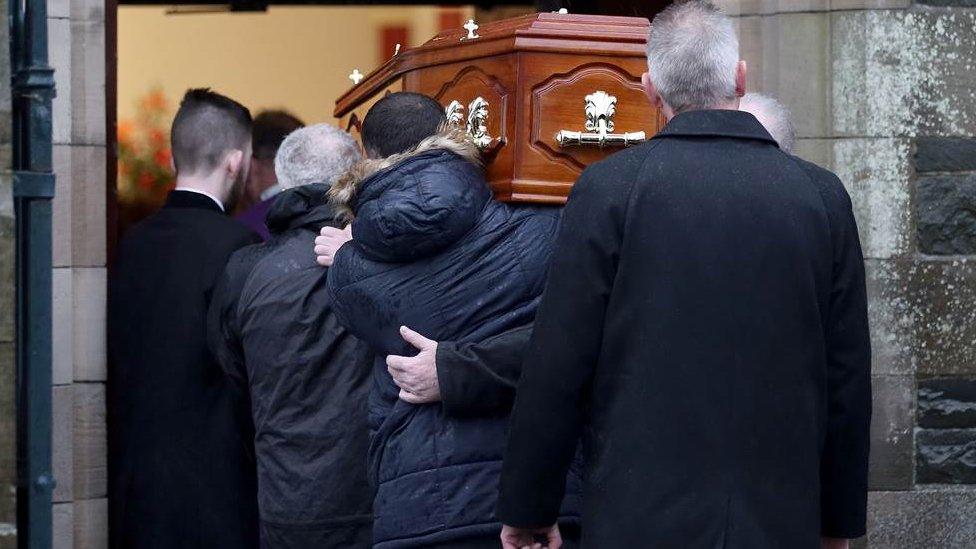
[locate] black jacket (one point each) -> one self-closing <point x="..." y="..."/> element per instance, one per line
<point x="273" y="331"/>
<point x="705" y="329"/>
<point x="179" y="471"/>
<point x="432" y="250"/>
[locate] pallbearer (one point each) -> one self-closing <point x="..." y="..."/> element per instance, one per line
<point x="704" y="331"/>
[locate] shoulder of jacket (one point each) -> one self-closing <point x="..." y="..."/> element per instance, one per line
<point x="827" y="182"/>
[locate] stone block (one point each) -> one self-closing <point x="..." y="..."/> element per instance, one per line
<point x="61" y="207"/>
<point x="945" y="318"/>
<point x="947" y="403"/>
<point x="58" y="9"/>
<point x="88" y="180"/>
<point x="903" y="73"/>
<point x="945" y="154"/>
<point x="878" y="176"/>
<point x="771" y="7"/>
<point x="8" y="436"/>
<point x="750" y="32"/>
<point x="946" y="456"/>
<point x="924" y="518"/>
<point x="90" y="447"/>
<point x="89" y="296"/>
<point x="837" y="5"/>
<point x="948" y="3"/>
<point x="8" y="296"/>
<point x="741" y="7"/>
<point x="891" y="316"/>
<point x="795" y="68"/>
<point x="78" y="209"/>
<point x="818" y="151"/>
<point x="63" y="526"/>
<point x="88" y="10"/>
<point x="59" y="57"/>
<point x="892" y="424"/>
<point x="947" y="214"/>
<point x="88" y="82"/>
<point x="91" y="524"/>
<point x="62" y="330"/>
<point x="62" y="456"/>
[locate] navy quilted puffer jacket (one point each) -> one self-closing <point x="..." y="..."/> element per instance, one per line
<point x="433" y="251"/>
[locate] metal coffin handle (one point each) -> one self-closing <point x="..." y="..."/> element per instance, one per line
<point x="600" y="108"/>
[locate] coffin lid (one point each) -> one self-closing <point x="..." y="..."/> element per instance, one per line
<point x="538" y="32"/>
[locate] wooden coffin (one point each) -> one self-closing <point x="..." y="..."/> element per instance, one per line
<point x="544" y="95"/>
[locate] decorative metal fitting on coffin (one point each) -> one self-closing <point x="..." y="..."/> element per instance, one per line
<point x="472" y="29"/>
<point x="477" y="123"/>
<point x="455" y="113"/>
<point x="600" y="108"/>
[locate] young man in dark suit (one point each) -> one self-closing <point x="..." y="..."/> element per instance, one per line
<point x="179" y="471"/>
<point x="704" y="329"/>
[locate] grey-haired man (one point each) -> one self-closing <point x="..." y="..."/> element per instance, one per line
<point x="272" y="330"/>
<point x="774" y="116"/>
<point x="704" y="329"/>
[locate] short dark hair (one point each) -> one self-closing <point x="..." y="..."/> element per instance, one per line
<point x="270" y="129"/>
<point x="205" y="128"/>
<point x="400" y="121"/>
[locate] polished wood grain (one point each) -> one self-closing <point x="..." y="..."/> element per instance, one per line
<point x="535" y="72"/>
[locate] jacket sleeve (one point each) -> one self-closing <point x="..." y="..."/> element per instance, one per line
<point x="844" y="461"/>
<point x="223" y="337"/>
<point x="363" y="307"/>
<point x="562" y="356"/>
<point x="480" y="378"/>
<point x="222" y="329"/>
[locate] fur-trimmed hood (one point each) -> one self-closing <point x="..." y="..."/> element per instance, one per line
<point x="414" y="204"/>
<point x="344" y="191"/>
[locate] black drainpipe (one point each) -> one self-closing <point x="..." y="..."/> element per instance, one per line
<point x="32" y="87"/>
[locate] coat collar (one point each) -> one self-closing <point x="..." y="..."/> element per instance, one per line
<point x="715" y="123"/>
<point x="345" y="190"/>
<point x="304" y="206"/>
<point x="190" y="199"/>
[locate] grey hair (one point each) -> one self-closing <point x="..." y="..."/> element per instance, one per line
<point x="319" y="153"/>
<point x="774" y="116"/>
<point x="692" y="53"/>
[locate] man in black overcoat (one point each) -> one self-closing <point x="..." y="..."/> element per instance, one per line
<point x="180" y="475"/>
<point x="704" y="330"/>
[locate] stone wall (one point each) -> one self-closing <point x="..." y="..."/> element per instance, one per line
<point x="8" y="429"/>
<point x="76" y="31"/>
<point x="883" y="93"/>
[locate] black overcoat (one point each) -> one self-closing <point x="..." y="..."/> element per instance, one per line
<point x="179" y="472"/>
<point x="704" y="329"/>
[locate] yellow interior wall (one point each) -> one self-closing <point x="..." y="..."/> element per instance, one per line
<point x="297" y="58"/>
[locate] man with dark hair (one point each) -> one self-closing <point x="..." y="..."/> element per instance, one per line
<point x="179" y="471"/>
<point x="270" y="129"/>
<point x="430" y="249"/>
<point x="398" y="122"/>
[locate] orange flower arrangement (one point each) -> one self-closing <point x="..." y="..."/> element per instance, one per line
<point x="145" y="161"/>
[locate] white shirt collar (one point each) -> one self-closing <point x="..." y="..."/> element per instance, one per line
<point x="204" y="193"/>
